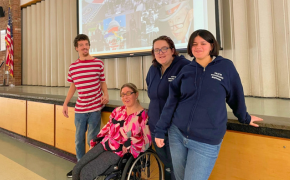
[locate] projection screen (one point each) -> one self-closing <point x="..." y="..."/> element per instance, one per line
<point x="128" y="27"/>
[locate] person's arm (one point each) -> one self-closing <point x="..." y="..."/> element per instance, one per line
<point x="236" y="99"/>
<point x="105" y="97"/>
<point x="139" y="141"/>
<point x="164" y="122"/>
<point x="148" y="78"/>
<point x="167" y="112"/>
<point x="71" y="91"/>
<point x="104" y="131"/>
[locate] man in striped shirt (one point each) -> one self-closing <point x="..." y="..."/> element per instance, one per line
<point x="86" y="75"/>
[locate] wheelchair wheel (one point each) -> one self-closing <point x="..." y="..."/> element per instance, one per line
<point x="146" y="167"/>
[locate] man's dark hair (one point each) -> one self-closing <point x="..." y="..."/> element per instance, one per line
<point x="81" y="37"/>
<point x="171" y="46"/>
<point x="206" y="35"/>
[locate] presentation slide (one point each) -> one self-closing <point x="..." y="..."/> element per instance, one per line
<point x="129" y="26"/>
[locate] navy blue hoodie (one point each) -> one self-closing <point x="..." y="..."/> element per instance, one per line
<point x="158" y="87"/>
<point x="197" y="101"/>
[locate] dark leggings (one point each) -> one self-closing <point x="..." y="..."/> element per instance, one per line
<point x="165" y="156"/>
<point x="94" y="163"/>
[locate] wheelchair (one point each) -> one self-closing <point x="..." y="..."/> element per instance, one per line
<point x="145" y="167"/>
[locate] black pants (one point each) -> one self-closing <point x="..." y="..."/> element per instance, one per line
<point x="165" y="156"/>
<point x="94" y="163"/>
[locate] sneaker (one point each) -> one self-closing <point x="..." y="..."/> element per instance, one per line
<point x="69" y="174"/>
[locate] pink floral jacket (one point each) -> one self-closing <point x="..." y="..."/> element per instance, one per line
<point x="131" y="131"/>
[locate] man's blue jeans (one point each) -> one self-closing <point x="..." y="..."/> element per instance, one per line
<point x="192" y="160"/>
<point x="82" y="121"/>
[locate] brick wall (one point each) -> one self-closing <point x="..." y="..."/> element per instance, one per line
<point x="16" y="22"/>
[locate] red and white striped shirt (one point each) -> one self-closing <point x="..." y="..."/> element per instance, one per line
<point x="87" y="76"/>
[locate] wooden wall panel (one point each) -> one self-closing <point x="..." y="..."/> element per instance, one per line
<point x="13" y="115"/>
<point x="246" y="156"/>
<point x="65" y="130"/>
<point x="40" y="122"/>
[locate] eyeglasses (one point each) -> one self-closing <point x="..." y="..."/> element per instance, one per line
<point x="179" y="25"/>
<point x="126" y="94"/>
<point x="163" y="49"/>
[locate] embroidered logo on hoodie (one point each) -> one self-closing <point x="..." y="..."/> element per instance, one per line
<point x="171" y="78"/>
<point x="217" y="76"/>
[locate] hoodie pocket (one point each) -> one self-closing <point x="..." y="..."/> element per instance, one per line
<point x="201" y="119"/>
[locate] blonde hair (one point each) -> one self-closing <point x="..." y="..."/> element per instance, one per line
<point x="132" y="87"/>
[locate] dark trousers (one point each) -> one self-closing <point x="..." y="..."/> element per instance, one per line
<point x="165" y="156"/>
<point x="94" y="163"/>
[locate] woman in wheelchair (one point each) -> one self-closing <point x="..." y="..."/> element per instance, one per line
<point x="126" y="132"/>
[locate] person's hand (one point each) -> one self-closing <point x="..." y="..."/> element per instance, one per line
<point x="253" y="119"/>
<point x="93" y="143"/>
<point x="105" y="99"/>
<point x="65" y="111"/>
<point x="125" y="150"/>
<point x="159" y="142"/>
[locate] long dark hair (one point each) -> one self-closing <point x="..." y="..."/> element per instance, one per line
<point x="171" y="46"/>
<point x="206" y="35"/>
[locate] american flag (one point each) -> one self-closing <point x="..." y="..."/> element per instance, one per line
<point x="9" y="44"/>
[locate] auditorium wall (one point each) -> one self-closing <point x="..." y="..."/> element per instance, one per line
<point x="255" y="36"/>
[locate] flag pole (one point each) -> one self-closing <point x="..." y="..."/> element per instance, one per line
<point x="10" y="30"/>
<point x="8" y="68"/>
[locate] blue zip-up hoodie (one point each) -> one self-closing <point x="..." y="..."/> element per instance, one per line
<point x="158" y="87"/>
<point x="196" y="102"/>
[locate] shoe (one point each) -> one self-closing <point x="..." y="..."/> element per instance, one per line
<point x="69" y="174"/>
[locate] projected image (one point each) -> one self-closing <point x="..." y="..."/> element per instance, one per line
<point x="116" y="26"/>
<point x="114" y="30"/>
<point x="179" y="17"/>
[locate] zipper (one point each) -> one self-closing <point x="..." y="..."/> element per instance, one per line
<point x="160" y="82"/>
<point x="198" y="93"/>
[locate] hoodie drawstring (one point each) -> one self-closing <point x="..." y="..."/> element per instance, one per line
<point x="195" y="77"/>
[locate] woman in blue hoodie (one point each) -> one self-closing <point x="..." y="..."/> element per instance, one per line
<point x="195" y="113"/>
<point x="166" y="65"/>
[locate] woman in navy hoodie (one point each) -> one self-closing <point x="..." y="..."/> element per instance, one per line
<point x="195" y="112"/>
<point x="166" y="66"/>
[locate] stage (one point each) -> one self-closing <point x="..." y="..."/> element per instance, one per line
<point x="274" y="111"/>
